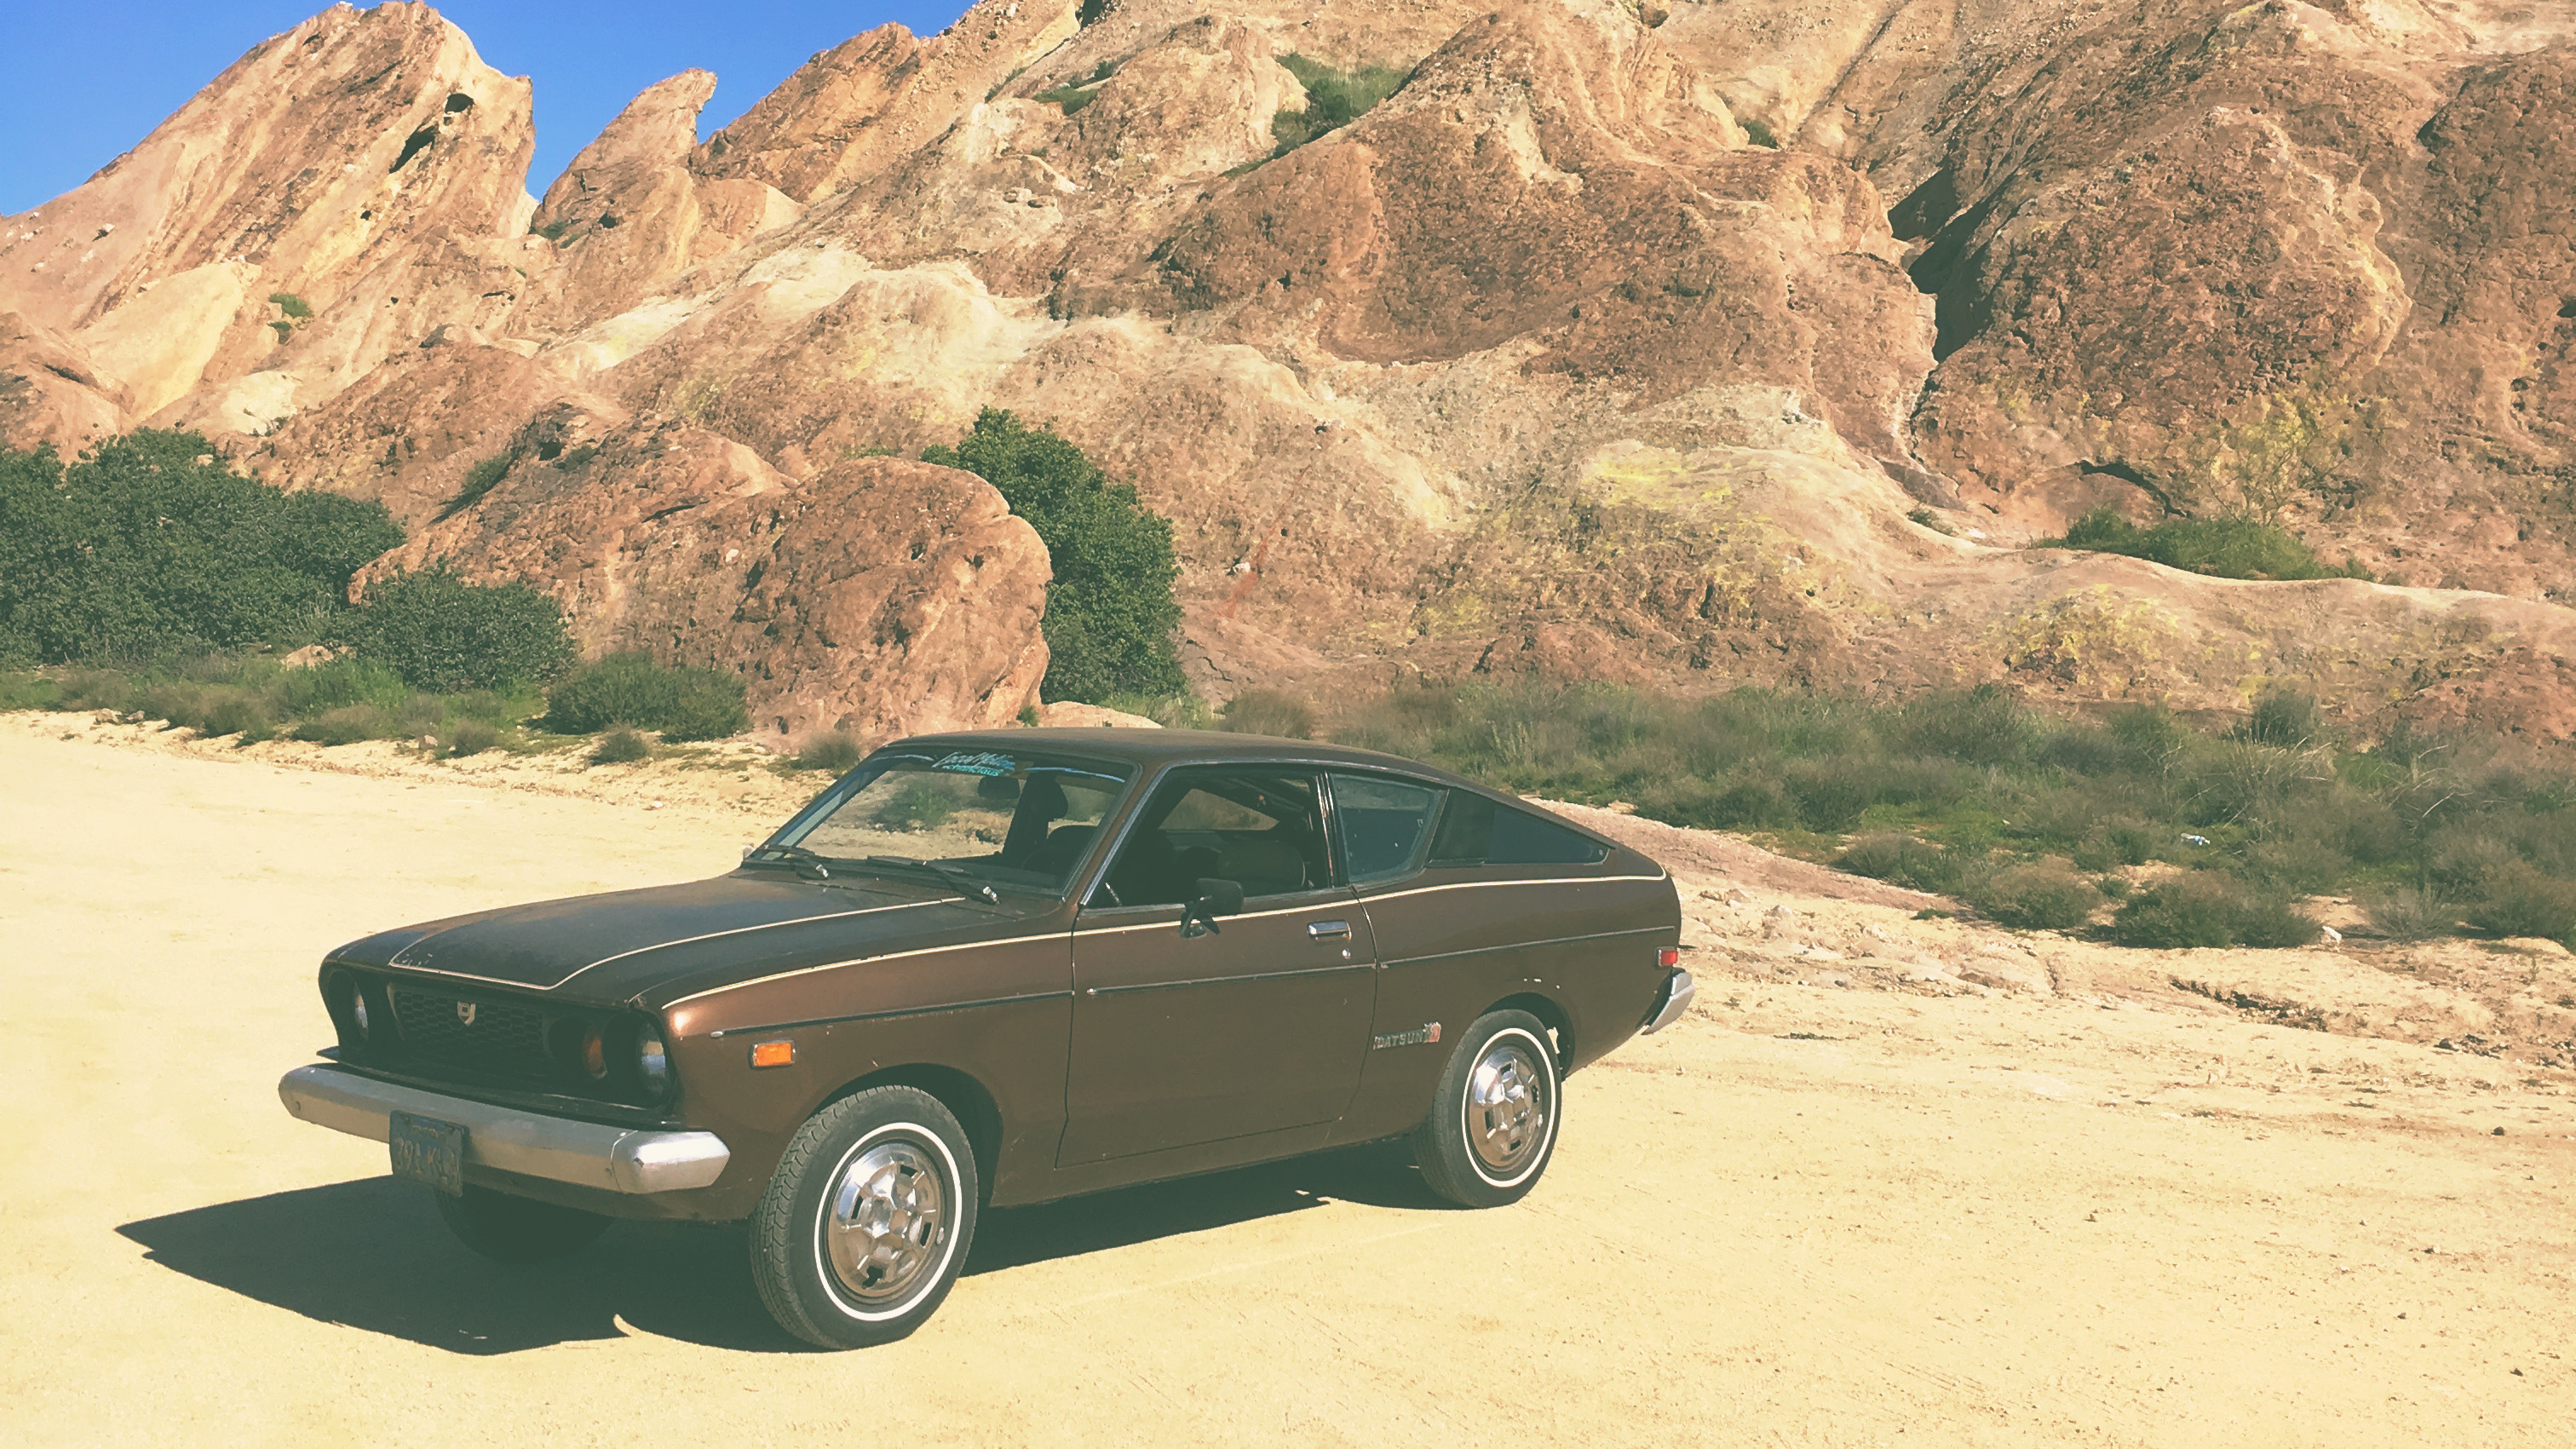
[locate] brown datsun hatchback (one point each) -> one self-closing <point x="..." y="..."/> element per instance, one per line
<point x="994" y="969"/>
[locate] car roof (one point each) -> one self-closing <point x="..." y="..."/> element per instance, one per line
<point x="1162" y="747"/>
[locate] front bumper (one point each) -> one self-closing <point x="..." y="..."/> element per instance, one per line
<point x="1670" y="1002"/>
<point x="558" y="1149"/>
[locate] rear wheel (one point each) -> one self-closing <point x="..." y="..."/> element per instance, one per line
<point x="867" y="1219"/>
<point x="1494" y="1115"/>
<point x="510" y="1229"/>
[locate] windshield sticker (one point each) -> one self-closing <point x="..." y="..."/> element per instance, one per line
<point x="989" y="765"/>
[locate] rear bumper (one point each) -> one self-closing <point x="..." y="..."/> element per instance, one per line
<point x="1670" y="1002"/>
<point x="558" y="1149"/>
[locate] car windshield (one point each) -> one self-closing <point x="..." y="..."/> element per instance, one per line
<point x="1018" y="819"/>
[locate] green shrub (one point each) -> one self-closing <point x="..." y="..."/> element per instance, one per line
<point x="1901" y="859"/>
<point x="471" y="737"/>
<point x="177" y="702"/>
<point x="1269" y="712"/>
<point x="837" y="752"/>
<point x="2188" y="911"/>
<point x="2116" y="887"/>
<point x="2299" y="865"/>
<point x="237" y="712"/>
<point x="1759" y="133"/>
<point x="98" y="689"/>
<point x="620" y="747"/>
<point x="2517" y="900"/>
<point x="347" y="725"/>
<point x="480" y="479"/>
<point x="2410" y="913"/>
<point x="681" y="703"/>
<point x="443" y="634"/>
<point x="1110" y="615"/>
<point x="341" y="682"/>
<point x="2227" y="548"/>
<point x="1334" y="99"/>
<point x="139" y="552"/>
<point x="2204" y="908"/>
<point x="2038" y="898"/>
<point x="292" y="305"/>
<point x="1071" y="98"/>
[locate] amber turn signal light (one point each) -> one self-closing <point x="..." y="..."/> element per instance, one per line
<point x="779" y="1053"/>
<point x="1669" y="956"/>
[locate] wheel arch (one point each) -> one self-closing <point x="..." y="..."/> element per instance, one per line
<point x="968" y="1099"/>
<point x="1552" y="1015"/>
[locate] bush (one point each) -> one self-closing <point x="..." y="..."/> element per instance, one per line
<point x="2038" y="898"/>
<point x="443" y="634"/>
<point x="2204" y="908"/>
<point x="238" y="712"/>
<point x="1269" y="712"/>
<point x="471" y="737"/>
<point x="681" y="703"/>
<point x="344" y="681"/>
<point x="2227" y="548"/>
<point x="1110" y="614"/>
<point x="347" y="726"/>
<point x="837" y="752"/>
<point x="2410" y="913"/>
<point x="2517" y="900"/>
<point x="1902" y="860"/>
<point x="1334" y="99"/>
<point x="480" y="479"/>
<point x="139" y="552"/>
<point x="620" y="747"/>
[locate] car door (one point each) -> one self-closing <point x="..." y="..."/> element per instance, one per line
<point x="1189" y="1034"/>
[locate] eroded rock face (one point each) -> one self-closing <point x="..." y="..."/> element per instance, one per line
<point x="366" y="165"/>
<point x="50" y="391"/>
<point x="1622" y="341"/>
<point x="879" y="597"/>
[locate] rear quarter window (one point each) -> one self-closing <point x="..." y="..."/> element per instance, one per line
<point x="1477" y="831"/>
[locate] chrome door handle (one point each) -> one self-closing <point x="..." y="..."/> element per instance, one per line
<point x="1328" y="930"/>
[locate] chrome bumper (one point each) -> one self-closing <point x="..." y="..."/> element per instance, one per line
<point x="586" y="1154"/>
<point x="1675" y="1000"/>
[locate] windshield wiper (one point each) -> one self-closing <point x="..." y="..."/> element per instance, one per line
<point x="964" y="884"/>
<point x="807" y="863"/>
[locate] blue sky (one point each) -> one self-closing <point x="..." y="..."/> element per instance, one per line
<point x="82" y="82"/>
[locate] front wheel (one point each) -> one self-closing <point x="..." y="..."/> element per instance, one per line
<point x="1493" y="1117"/>
<point x="867" y="1219"/>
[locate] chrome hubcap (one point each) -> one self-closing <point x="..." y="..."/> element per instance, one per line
<point x="887" y="1223"/>
<point x="1507" y="1107"/>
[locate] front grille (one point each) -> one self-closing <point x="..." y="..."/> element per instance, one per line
<point x="505" y="1039"/>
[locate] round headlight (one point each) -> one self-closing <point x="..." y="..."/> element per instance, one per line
<point x="652" y="1059"/>
<point x="358" y="1012"/>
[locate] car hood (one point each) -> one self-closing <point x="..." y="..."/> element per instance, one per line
<point x="617" y="946"/>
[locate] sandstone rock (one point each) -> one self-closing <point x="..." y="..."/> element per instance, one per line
<point x="1066" y="714"/>
<point x="50" y="391"/>
<point x="880" y="597"/>
<point x="311" y="656"/>
<point x="337" y="164"/>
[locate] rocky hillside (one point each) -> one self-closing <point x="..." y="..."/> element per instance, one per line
<point x="1676" y="342"/>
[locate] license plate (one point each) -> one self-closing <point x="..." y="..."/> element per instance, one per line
<point x="427" y="1150"/>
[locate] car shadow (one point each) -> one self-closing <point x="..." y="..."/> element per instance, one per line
<point x="372" y="1254"/>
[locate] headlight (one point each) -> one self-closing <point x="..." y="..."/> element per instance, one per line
<point x="358" y="1012"/>
<point x="652" y="1060"/>
<point x="594" y="1053"/>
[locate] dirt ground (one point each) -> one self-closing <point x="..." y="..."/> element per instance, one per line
<point x="1896" y="1181"/>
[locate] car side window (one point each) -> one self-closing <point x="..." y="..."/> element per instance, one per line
<point x="1262" y="829"/>
<point x="1475" y="830"/>
<point x="1383" y="825"/>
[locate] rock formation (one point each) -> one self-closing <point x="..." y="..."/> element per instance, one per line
<point x="1685" y="343"/>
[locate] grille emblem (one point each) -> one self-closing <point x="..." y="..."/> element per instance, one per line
<point x="465" y="1013"/>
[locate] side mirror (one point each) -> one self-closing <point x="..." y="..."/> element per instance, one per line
<point x="1215" y="898"/>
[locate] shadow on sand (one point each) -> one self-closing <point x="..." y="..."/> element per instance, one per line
<point x="372" y="1254"/>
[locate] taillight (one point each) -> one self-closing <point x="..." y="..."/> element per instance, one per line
<point x="1669" y="957"/>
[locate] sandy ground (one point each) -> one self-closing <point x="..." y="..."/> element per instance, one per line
<point x="1896" y="1182"/>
